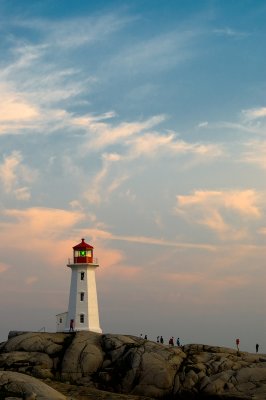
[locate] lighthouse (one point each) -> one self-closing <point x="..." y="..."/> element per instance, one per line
<point x="83" y="313"/>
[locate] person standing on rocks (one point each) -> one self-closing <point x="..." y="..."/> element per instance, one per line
<point x="237" y="344"/>
<point x="178" y="342"/>
<point x="257" y="348"/>
<point x="71" y="326"/>
<point x="158" y="339"/>
<point x="161" y="340"/>
<point x="171" y="341"/>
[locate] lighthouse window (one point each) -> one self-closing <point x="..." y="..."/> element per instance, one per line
<point x="82" y="318"/>
<point x="82" y="274"/>
<point x="82" y="296"/>
<point x="83" y="253"/>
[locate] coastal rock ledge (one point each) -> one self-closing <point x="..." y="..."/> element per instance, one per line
<point x="127" y="365"/>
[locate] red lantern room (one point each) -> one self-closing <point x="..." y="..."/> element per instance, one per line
<point x="83" y="253"/>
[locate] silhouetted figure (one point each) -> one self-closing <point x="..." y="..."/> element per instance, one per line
<point x="158" y="339"/>
<point x="237" y="344"/>
<point x="178" y="341"/>
<point x="171" y="341"/>
<point x="257" y="348"/>
<point x="161" y="340"/>
<point x="145" y="337"/>
<point x="71" y="326"/>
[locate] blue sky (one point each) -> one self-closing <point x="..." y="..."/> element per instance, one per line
<point x="139" y="125"/>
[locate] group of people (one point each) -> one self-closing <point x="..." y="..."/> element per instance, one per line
<point x="160" y="339"/>
<point x="170" y="342"/>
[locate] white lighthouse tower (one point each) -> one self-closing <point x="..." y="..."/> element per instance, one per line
<point x="83" y="314"/>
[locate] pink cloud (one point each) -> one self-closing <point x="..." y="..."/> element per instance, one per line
<point x="50" y="234"/>
<point x="210" y="208"/>
<point x="36" y="230"/>
<point x="13" y="108"/>
<point x="8" y="169"/>
<point x="16" y="111"/>
<point x="108" y="134"/>
<point x="30" y="280"/>
<point x="242" y="201"/>
<point x="3" y="267"/>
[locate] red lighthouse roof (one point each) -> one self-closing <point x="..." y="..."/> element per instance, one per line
<point x="82" y="245"/>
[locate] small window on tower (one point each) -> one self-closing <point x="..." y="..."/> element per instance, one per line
<point x="81" y="296"/>
<point x="82" y="253"/>
<point x="82" y="274"/>
<point x="82" y="318"/>
<point x="60" y="320"/>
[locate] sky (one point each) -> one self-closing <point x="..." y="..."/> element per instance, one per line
<point x="140" y="126"/>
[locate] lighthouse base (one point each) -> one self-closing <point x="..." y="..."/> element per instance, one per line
<point x="63" y="325"/>
<point x="96" y="330"/>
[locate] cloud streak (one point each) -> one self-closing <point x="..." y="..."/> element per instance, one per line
<point x="210" y="208"/>
<point x="13" y="173"/>
<point x="254" y="113"/>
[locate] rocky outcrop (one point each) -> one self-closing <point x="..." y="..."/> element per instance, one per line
<point x="14" y="385"/>
<point x="131" y="365"/>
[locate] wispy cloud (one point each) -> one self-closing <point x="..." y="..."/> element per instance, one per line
<point x="254" y="113"/>
<point x="22" y="193"/>
<point x="203" y="124"/>
<point x="101" y="235"/>
<point x="210" y="208"/>
<point x="13" y="173"/>
<point x="162" y="242"/>
<point x="230" y="33"/>
<point x="151" y="144"/>
<point x="102" y="185"/>
<point x="106" y="134"/>
<point x="40" y="219"/>
<point x="241" y="126"/>
<point x="243" y="202"/>
<point x="141" y="139"/>
<point x="161" y="52"/>
<point x="8" y="169"/>
<point x="35" y="229"/>
<point x="255" y="153"/>
<point x="74" y="32"/>
<point x="107" y="235"/>
<point x="135" y="143"/>
<point x="251" y="120"/>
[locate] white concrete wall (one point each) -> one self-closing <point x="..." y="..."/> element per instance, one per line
<point x="88" y="307"/>
<point x="93" y="311"/>
<point x="61" y="320"/>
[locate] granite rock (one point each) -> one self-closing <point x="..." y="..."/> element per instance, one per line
<point x="19" y="386"/>
<point x="134" y="366"/>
